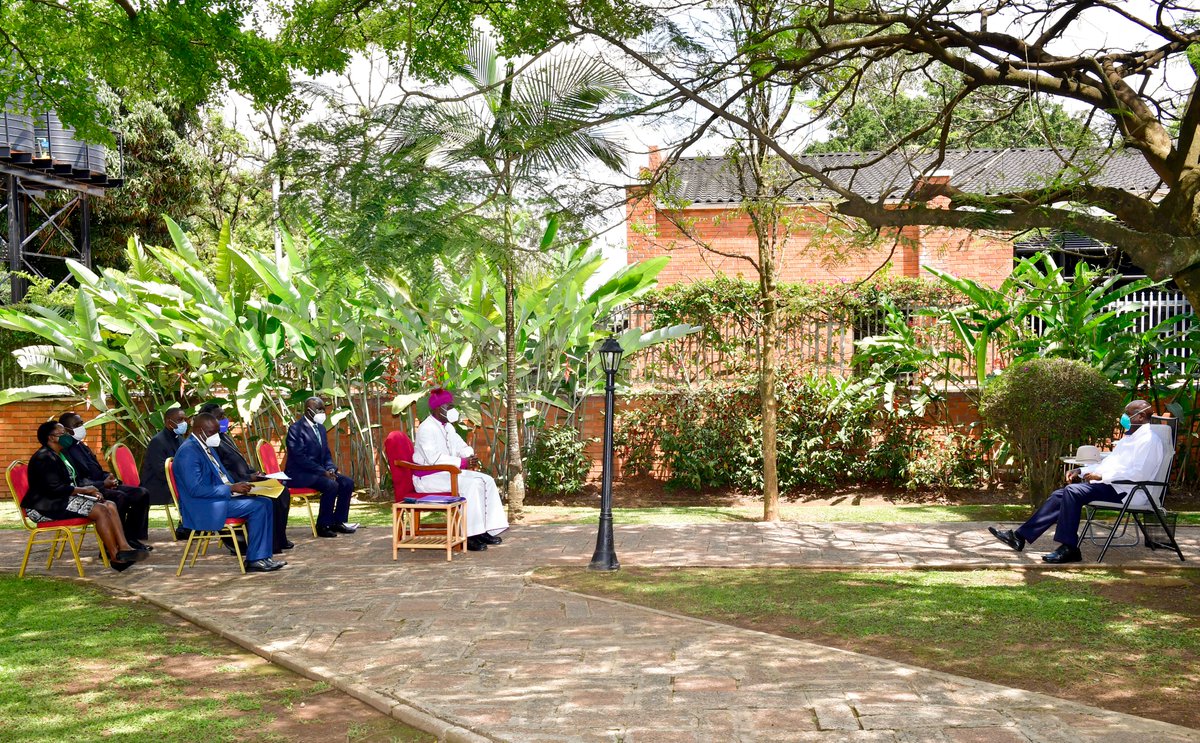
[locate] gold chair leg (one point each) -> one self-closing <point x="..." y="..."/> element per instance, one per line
<point x="186" y="547"/>
<point x="75" y="550"/>
<point x="312" y="520"/>
<point x="170" y="520"/>
<point x="53" y="550"/>
<point x="202" y="543"/>
<point x="104" y="558"/>
<point x="237" y="548"/>
<point x="28" y="549"/>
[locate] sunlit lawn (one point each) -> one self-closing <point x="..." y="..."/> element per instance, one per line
<point x="77" y="664"/>
<point x="380" y="514"/>
<point x="1118" y="638"/>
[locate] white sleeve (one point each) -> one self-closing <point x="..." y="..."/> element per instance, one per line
<point x="430" y="446"/>
<point x="458" y="447"/>
<point x="1139" y="460"/>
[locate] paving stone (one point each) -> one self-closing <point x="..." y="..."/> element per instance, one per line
<point x="835" y="716"/>
<point x="471" y="647"/>
<point x="984" y="735"/>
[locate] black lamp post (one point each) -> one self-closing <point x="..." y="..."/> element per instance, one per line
<point x="605" y="556"/>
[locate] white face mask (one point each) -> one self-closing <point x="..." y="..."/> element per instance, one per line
<point x="214" y="441"/>
<point x="452" y="416"/>
<point x="319" y="419"/>
<point x="79" y="433"/>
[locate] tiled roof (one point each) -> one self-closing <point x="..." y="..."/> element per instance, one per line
<point x="710" y="180"/>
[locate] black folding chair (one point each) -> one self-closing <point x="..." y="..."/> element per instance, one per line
<point x="1155" y="492"/>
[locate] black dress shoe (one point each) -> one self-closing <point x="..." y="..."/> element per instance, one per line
<point x="345" y="528"/>
<point x="130" y="556"/>
<point x="475" y="545"/>
<point x="326" y="531"/>
<point x="1063" y="555"/>
<point x="182" y="533"/>
<point x="139" y="546"/>
<point x="120" y="567"/>
<point x="265" y="565"/>
<point x="488" y="538"/>
<point x="1009" y="537"/>
<point x="287" y="545"/>
<point x="229" y="546"/>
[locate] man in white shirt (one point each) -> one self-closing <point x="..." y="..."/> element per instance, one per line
<point x="438" y="443"/>
<point x="1138" y="455"/>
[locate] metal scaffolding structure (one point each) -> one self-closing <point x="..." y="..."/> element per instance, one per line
<point x="40" y="155"/>
<point x="32" y="226"/>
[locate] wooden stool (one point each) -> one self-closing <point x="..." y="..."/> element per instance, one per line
<point x="405" y="517"/>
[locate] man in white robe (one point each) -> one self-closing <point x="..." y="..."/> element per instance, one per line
<point x="437" y="442"/>
<point x="1137" y="456"/>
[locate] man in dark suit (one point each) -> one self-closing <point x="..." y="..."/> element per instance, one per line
<point x="310" y="465"/>
<point x="208" y="495"/>
<point x="239" y="469"/>
<point x="133" y="503"/>
<point x="162" y="447"/>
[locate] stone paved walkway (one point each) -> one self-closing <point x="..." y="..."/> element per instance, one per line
<point x="472" y="651"/>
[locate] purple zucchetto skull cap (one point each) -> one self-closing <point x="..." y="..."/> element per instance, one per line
<point x="440" y="397"/>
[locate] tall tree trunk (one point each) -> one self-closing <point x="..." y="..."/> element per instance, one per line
<point x="512" y="416"/>
<point x="767" y="379"/>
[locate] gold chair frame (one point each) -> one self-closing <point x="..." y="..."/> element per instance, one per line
<point x="60" y="536"/>
<point x="202" y="539"/>
<point x="302" y="498"/>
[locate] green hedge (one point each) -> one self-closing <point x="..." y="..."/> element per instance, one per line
<point x="829" y="435"/>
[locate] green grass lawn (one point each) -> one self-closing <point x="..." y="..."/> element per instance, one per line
<point x="1127" y="640"/>
<point x="77" y="664"/>
<point x="380" y="514"/>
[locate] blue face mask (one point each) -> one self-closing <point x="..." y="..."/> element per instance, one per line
<point x="224" y="423"/>
<point x="1125" y="422"/>
<point x="181" y="429"/>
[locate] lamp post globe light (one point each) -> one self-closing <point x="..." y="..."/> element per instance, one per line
<point x="605" y="556"/>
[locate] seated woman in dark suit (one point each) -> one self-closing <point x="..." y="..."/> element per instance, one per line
<point x="53" y="496"/>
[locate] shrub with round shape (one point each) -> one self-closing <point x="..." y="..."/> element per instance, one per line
<point x="1045" y="408"/>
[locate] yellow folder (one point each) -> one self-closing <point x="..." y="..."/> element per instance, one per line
<point x="269" y="488"/>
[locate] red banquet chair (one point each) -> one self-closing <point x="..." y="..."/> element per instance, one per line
<point x="125" y="468"/>
<point x="61" y="533"/>
<point x="201" y="539"/>
<point x="269" y="462"/>
<point x="407" y="531"/>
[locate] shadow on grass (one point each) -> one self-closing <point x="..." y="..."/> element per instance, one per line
<point x="1129" y="640"/>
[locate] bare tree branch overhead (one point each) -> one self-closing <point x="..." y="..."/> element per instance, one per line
<point x="1125" y="71"/>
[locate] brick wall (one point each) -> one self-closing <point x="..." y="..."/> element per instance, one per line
<point x="705" y="241"/>
<point x="18" y="429"/>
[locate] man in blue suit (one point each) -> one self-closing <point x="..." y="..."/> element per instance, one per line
<point x="310" y="465"/>
<point x="208" y="496"/>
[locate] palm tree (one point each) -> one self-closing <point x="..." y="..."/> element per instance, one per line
<point x="522" y="126"/>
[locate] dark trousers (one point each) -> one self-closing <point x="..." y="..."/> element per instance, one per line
<point x="1063" y="508"/>
<point x="133" y="504"/>
<point x="335" y="496"/>
<point x="282" y="505"/>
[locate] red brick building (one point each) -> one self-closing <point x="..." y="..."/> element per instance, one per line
<point x="710" y="193"/>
